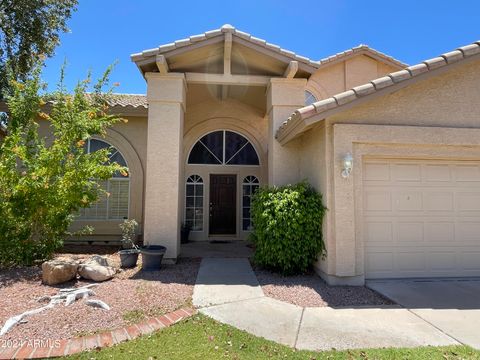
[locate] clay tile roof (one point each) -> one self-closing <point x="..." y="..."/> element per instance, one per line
<point x="320" y="108"/>
<point x="362" y="49"/>
<point x="119" y="102"/>
<point x="227" y="28"/>
<point x="128" y="100"/>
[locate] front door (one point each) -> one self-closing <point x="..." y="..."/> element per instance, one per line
<point x="223" y="207"/>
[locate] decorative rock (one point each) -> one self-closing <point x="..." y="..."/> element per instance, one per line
<point x="96" y="268"/>
<point x="58" y="271"/>
<point x="97" y="304"/>
<point x="100" y="260"/>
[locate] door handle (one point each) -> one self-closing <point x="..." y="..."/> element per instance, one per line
<point x="211" y="209"/>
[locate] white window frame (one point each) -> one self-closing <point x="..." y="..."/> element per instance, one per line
<point x="108" y="182"/>
<point x="254" y="182"/>
<point x="223" y="162"/>
<point x="197" y="182"/>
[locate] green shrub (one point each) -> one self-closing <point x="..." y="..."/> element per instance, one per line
<point x="287" y="225"/>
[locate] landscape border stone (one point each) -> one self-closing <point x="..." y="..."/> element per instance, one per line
<point x="97" y="341"/>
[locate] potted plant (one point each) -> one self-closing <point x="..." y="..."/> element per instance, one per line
<point x="130" y="251"/>
<point x="184" y="233"/>
<point x="152" y="256"/>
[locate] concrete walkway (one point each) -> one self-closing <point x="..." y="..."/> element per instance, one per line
<point x="228" y="291"/>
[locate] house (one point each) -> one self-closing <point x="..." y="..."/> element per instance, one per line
<point x="394" y="150"/>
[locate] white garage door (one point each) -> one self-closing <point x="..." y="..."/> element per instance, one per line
<point x="421" y="218"/>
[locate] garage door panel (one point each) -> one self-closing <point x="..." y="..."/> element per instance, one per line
<point x="410" y="232"/>
<point x="468" y="201"/>
<point x="381" y="232"/>
<point x="442" y="261"/>
<point x="407" y="172"/>
<point x="467" y="173"/>
<point x="378" y="201"/>
<point x="469" y="232"/>
<point x="438" y="173"/>
<point x="439" y="201"/>
<point x="377" y="172"/>
<point x="470" y="260"/>
<point x="380" y="262"/>
<point x="410" y="261"/>
<point x="439" y="232"/>
<point x="408" y="201"/>
<point x="421" y="218"/>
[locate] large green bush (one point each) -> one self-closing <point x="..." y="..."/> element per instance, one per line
<point x="287" y="227"/>
<point x="44" y="184"/>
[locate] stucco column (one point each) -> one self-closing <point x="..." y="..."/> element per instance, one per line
<point x="284" y="96"/>
<point x="166" y="107"/>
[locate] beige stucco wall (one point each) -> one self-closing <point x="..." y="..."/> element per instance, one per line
<point x="438" y="118"/>
<point x="131" y="140"/>
<point x="314" y="169"/>
<point x="451" y="99"/>
<point x="341" y="76"/>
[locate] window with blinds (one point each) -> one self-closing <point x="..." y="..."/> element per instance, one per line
<point x="114" y="206"/>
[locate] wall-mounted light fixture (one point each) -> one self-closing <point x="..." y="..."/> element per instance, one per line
<point x="347" y="165"/>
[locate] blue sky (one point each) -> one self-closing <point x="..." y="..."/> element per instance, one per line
<point x="110" y="30"/>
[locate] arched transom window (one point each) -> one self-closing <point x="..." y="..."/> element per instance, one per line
<point x="223" y="148"/>
<point x="114" y="206"/>
<point x="309" y="98"/>
<point x="249" y="186"/>
<point x="194" y="203"/>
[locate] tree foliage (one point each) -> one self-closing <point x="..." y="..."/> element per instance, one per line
<point x="43" y="184"/>
<point x="287" y="225"/>
<point x="29" y="28"/>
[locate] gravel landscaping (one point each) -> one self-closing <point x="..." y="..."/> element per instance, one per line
<point x="131" y="294"/>
<point x="311" y="291"/>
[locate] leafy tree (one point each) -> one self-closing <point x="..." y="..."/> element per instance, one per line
<point x="44" y="184"/>
<point x="29" y="28"/>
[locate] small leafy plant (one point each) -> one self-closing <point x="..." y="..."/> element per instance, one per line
<point x="129" y="229"/>
<point x="287" y="224"/>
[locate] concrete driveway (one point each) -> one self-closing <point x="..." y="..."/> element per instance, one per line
<point x="450" y="305"/>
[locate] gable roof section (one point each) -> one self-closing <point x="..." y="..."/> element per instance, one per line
<point x="146" y="59"/>
<point x="306" y="116"/>
<point x="149" y="56"/>
<point x="362" y="49"/>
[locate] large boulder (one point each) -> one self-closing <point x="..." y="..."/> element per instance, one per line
<point x="97" y="269"/>
<point x="59" y="271"/>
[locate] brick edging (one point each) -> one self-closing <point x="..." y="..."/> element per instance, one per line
<point x="97" y="341"/>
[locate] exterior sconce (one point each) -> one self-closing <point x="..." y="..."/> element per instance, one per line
<point x="347" y="165"/>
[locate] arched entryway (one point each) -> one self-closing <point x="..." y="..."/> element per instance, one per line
<point x="222" y="170"/>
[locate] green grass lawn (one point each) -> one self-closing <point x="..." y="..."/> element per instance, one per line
<point x="203" y="338"/>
